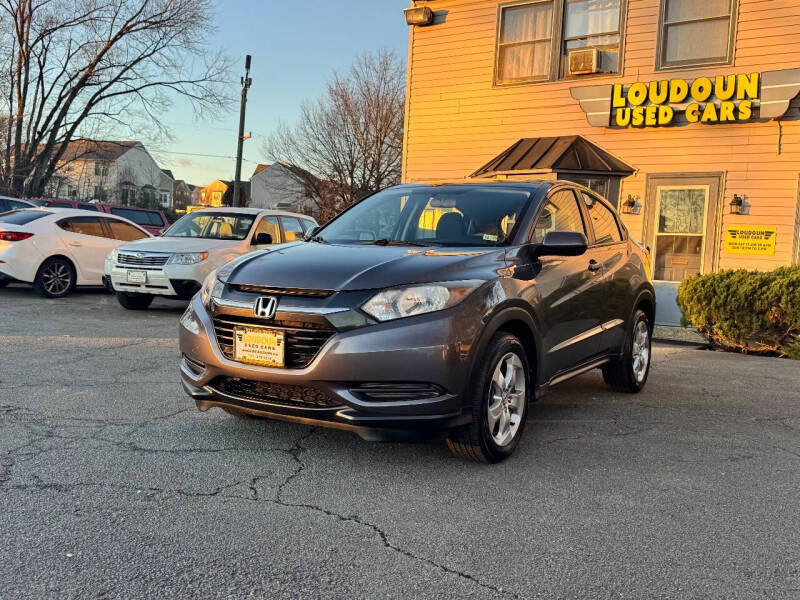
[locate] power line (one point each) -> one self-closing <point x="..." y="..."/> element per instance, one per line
<point x="203" y="155"/>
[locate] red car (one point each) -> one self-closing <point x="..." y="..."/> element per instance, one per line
<point x="152" y="221"/>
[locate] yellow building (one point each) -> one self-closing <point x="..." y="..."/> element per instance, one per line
<point x="684" y="113"/>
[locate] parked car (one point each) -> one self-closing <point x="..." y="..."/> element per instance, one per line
<point x="8" y="203"/>
<point x="56" y="249"/>
<point x="153" y="221"/>
<point x="175" y="264"/>
<point x="426" y="311"/>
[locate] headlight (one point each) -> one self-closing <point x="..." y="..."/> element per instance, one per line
<point x="212" y="288"/>
<point x="113" y="255"/>
<point x="189" y="258"/>
<point x="396" y="303"/>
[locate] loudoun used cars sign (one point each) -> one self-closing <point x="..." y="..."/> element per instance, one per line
<point x="715" y="99"/>
<point x="725" y="99"/>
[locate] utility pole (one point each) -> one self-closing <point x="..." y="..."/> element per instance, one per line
<point x="237" y="182"/>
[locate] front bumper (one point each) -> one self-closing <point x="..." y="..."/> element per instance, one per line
<point x="433" y="350"/>
<point x="177" y="281"/>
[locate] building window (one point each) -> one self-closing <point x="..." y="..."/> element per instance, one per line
<point x="525" y="42"/>
<point x="696" y="33"/>
<point x="535" y="39"/>
<point x="592" y="24"/>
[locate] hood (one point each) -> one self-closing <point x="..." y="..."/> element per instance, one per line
<point x="309" y="265"/>
<point x="162" y="244"/>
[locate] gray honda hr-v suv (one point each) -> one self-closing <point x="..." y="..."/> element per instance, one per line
<point x="427" y="311"/>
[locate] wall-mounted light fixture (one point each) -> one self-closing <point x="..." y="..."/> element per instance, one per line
<point x="419" y="15"/>
<point x="631" y="206"/>
<point x="739" y="205"/>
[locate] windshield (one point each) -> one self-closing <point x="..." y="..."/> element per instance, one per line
<point x="212" y="226"/>
<point x="448" y="215"/>
<point x="22" y="217"/>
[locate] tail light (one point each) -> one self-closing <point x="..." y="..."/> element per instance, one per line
<point x="14" y="236"/>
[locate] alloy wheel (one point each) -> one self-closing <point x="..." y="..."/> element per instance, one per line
<point x="56" y="278"/>
<point x="506" y="399"/>
<point x="641" y="350"/>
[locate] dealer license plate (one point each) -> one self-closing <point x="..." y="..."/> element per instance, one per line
<point x="137" y="276"/>
<point x="263" y="347"/>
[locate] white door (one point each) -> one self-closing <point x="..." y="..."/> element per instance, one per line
<point x="85" y="239"/>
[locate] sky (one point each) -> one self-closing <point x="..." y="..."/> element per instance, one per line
<point x="296" y="45"/>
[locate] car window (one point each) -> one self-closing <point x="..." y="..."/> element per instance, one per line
<point x="89" y="207"/>
<point x="5" y="205"/>
<point x="16" y="204"/>
<point x="561" y="212"/>
<point x="269" y="225"/>
<point x="124" y="231"/>
<point x="83" y="226"/>
<point x="155" y="219"/>
<point x="471" y="215"/>
<point x="212" y="225"/>
<point x="308" y="224"/>
<point x="140" y="217"/>
<point x="22" y="217"/>
<point x="604" y="223"/>
<point x="292" y="230"/>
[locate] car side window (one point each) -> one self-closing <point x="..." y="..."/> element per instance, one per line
<point x="561" y="212"/>
<point x="124" y="231"/>
<point x="88" y="207"/>
<point x="14" y="205"/>
<point x="269" y="225"/>
<point x="292" y="229"/>
<point x="4" y="205"/>
<point x="604" y="223"/>
<point x="308" y="224"/>
<point x="83" y="226"/>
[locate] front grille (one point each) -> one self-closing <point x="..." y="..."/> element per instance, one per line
<point x="296" y="292"/>
<point x="301" y="344"/>
<point x="396" y="391"/>
<point x="274" y="393"/>
<point x="147" y="260"/>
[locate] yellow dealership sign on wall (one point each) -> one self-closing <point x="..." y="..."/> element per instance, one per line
<point x="750" y="240"/>
<point x="727" y="98"/>
<point x="712" y="99"/>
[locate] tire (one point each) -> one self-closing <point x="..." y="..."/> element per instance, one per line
<point x="55" y="278"/>
<point x="628" y="374"/>
<point x="134" y="301"/>
<point x="480" y="441"/>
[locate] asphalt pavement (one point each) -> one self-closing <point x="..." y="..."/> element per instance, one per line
<point x="112" y="485"/>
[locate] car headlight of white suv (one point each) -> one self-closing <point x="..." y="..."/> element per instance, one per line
<point x="188" y="258"/>
<point x="408" y="301"/>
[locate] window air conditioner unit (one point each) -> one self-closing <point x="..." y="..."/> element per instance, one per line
<point x="584" y="62"/>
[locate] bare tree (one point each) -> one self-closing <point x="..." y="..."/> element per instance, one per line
<point x="69" y="66"/>
<point x="348" y="143"/>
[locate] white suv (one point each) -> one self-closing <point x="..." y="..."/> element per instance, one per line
<point x="175" y="264"/>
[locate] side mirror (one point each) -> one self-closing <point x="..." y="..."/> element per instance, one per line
<point x="561" y="243"/>
<point x="262" y="239"/>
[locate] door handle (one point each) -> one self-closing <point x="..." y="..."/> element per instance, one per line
<point x="75" y="244"/>
<point x="594" y="266"/>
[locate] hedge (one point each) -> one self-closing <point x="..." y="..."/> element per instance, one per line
<point x="748" y="311"/>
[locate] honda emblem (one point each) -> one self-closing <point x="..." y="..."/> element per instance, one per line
<point x="265" y="307"/>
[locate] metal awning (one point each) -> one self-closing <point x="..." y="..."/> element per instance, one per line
<point x="568" y="154"/>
